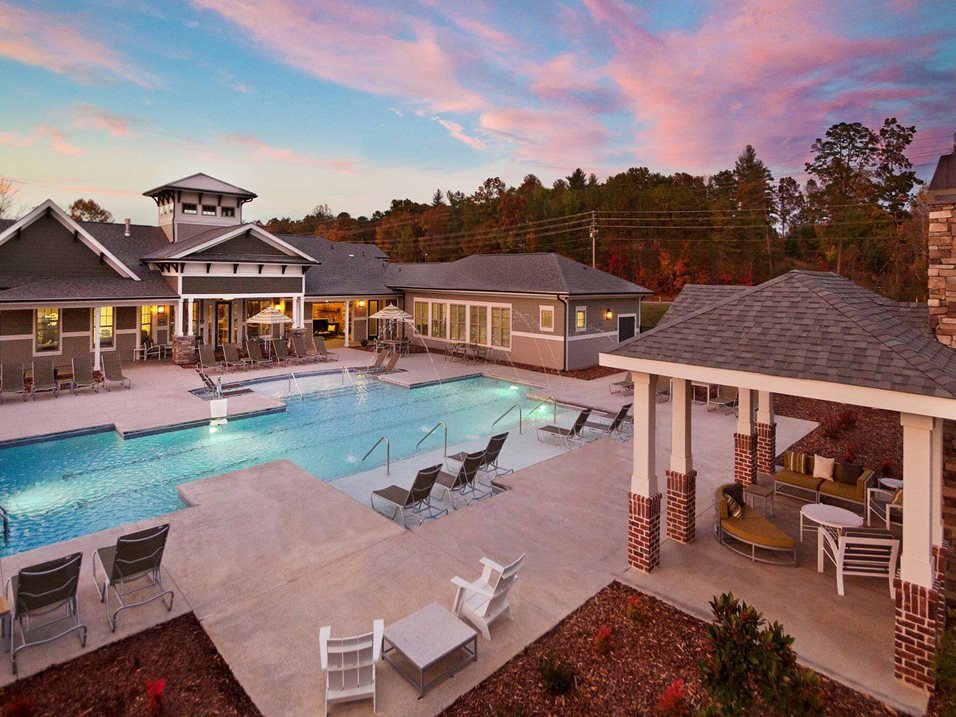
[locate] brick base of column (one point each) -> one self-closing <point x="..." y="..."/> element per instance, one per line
<point x="766" y="447"/>
<point x="745" y="458"/>
<point x="184" y="350"/>
<point x="681" y="506"/>
<point x="920" y="617"/>
<point x="644" y="533"/>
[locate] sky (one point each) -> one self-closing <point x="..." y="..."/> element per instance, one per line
<point x="352" y="104"/>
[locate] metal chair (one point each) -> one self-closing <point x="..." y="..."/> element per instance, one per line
<point x="416" y="500"/>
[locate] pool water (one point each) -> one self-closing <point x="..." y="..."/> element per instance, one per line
<point x="60" y="489"/>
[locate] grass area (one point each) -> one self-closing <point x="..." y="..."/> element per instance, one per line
<point x="652" y="312"/>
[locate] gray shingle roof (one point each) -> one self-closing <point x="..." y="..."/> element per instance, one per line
<point x="694" y="297"/>
<point x="74" y="288"/>
<point x="347" y="269"/>
<point x="808" y="325"/>
<point x="201" y="182"/>
<point x="539" y="273"/>
<point x="172" y="248"/>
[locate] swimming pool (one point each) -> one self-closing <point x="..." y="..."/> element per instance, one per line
<point x="60" y="489"/>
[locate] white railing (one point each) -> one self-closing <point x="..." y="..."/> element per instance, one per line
<point x="388" y="453"/>
<point x="435" y="428"/>
<point x="520" y="418"/>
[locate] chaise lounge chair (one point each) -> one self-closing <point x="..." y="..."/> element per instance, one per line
<point x="41" y="590"/>
<point x="113" y="370"/>
<point x="300" y="349"/>
<point x="492" y="455"/>
<point x="612" y="429"/>
<point x="376" y="365"/>
<point x="416" y="500"/>
<point x="570" y="436"/>
<point x="323" y="351"/>
<point x="255" y="353"/>
<point x="280" y="352"/>
<point x="44" y="378"/>
<point x="463" y="482"/>
<point x="11" y="380"/>
<point x="83" y="374"/>
<point x="390" y="366"/>
<point x="135" y="560"/>
<point x="625" y="386"/>
<point x="207" y="359"/>
<point x="349" y="664"/>
<point x="231" y="358"/>
<point x="484" y="600"/>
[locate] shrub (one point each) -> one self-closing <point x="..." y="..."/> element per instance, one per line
<point x="944" y="669"/>
<point x="847" y="419"/>
<point x="557" y="676"/>
<point x="673" y="701"/>
<point x="154" y="691"/>
<point x="20" y="707"/>
<point x="831" y="426"/>
<point x="849" y="453"/>
<point x="635" y="610"/>
<point x="364" y="343"/>
<point x="887" y="467"/>
<point x="752" y="663"/>
<point x="602" y="641"/>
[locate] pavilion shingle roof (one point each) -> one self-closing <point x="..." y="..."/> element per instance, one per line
<point x="807" y="325"/>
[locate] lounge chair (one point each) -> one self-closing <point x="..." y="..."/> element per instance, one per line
<point x="40" y="590"/>
<point x="463" y="482"/>
<point x="280" y="352"/>
<point x="231" y="359"/>
<point x="568" y="435"/>
<point x="484" y="600"/>
<point x="300" y="349"/>
<point x="323" y="351"/>
<point x="392" y="362"/>
<point x="134" y="561"/>
<point x="376" y="365"/>
<point x="614" y="428"/>
<point x="255" y="353"/>
<point x="83" y="374"/>
<point x="416" y="500"/>
<point x="868" y="552"/>
<point x="625" y="386"/>
<point x="726" y="398"/>
<point x="44" y="378"/>
<point x="113" y="370"/>
<point x="207" y="358"/>
<point x="11" y="380"/>
<point x="884" y="504"/>
<point x="349" y="664"/>
<point x="492" y="454"/>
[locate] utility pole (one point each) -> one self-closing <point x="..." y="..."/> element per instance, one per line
<point x="593" y="234"/>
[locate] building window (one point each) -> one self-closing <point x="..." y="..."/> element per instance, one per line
<point x="421" y="318"/>
<point x="189" y="208"/>
<point x="146" y="324"/>
<point x="106" y="327"/>
<point x="438" y="320"/>
<point x="458" y="314"/>
<point x="500" y="327"/>
<point x="227" y="212"/>
<point x="580" y="318"/>
<point x="47" y="332"/>
<point x="479" y="325"/>
<point x="546" y="318"/>
<point x="208" y="210"/>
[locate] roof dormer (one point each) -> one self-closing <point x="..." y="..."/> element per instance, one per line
<point x="198" y="203"/>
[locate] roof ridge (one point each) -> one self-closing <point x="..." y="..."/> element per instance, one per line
<point x="900" y="348"/>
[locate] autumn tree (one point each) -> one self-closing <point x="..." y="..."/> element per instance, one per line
<point x="8" y="199"/>
<point x="88" y="210"/>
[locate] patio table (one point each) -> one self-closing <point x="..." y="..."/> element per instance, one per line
<point x="426" y="638"/>
<point x="827" y="517"/>
<point x="891" y="483"/>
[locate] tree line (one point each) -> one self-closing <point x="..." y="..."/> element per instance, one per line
<point x="858" y="213"/>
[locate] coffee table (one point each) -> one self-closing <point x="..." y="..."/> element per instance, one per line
<point x="827" y="516"/>
<point x="425" y="638"/>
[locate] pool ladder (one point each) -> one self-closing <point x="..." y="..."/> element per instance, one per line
<point x="294" y="380"/>
<point x="440" y="424"/>
<point x="388" y="453"/>
<point x="549" y="399"/>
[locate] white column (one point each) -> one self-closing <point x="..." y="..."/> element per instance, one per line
<point x="96" y="338"/>
<point x="916" y="559"/>
<point x="681" y="454"/>
<point x="348" y="327"/>
<point x="765" y="407"/>
<point x="179" y="317"/>
<point x="746" y="400"/>
<point x="644" y="476"/>
<point x="189" y="318"/>
<point x="936" y="478"/>
<point x="302" y="312"/>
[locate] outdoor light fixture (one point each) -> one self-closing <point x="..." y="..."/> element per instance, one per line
<point x="161" y="309"/>
<point x="608" y="314"/>
<point x="362" y="303"/>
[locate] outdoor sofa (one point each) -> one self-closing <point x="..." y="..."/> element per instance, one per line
<point x="849" y="483"/>
<point x="751" y="531"/>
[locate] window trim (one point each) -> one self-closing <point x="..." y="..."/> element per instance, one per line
<point x="542" y="308"/>
<point x="211" y="207"/>
<point x="103" y="347"/>
<point x="231" y="212"/>
<point x="59" y="333"/>
<point x="427" y="318"/>
<point x="579" y="310"/>
<point x="193" y="211"/>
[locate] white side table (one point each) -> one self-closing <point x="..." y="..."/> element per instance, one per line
<point x="827" y="516"/>
<point x="891" y="483"/>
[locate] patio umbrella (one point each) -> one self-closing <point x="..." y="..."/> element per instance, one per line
<point x="270" y="316"/>
<point x="393" y="315"/>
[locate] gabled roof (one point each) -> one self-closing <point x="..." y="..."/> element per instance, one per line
<point x="92" y="243"/>
<point x="200" y="182"/>
<point x="807" y="325"/>
<point x="204" y="241"/>
<point x="533" y="273"/>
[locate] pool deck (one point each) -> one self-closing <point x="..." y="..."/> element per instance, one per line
<point x="267" y="555"/>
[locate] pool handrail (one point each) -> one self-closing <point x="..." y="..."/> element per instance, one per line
<point x="293" y="379"/>
<point x="388" y="453"/>
<point x="433" y="429"/>
<point x="520" y="419"/>
<point x="550" y="399"/>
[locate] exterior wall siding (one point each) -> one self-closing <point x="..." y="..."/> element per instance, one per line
<point x="231" y="285"/>
<point x="47" y="248"/>
<point x="584" y="346"/>
<point x="242" y="244"/>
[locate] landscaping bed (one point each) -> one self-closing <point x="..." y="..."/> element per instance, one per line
<point x="867" y="436"/>
<point x="646" y="652"/>
<point x="172" y="669"/>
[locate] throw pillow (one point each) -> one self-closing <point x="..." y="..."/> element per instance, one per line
<point x="793" y="461"/>
<point x="847" y="473"/>
<point x="823" y="467"/>
<point x="898" y="498"/>
<point x="733" y="507"/>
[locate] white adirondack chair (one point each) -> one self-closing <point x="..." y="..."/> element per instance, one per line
<point x="349" y="664"/>
<point x="484" y="600"/>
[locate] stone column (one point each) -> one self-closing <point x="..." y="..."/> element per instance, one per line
<point x="681" y="478"/>
<point x="766" y="433"/>
<point x="184" y="346"/>
<point x="920" y="607"/>
<point x="644" y="524"/>
<point x="745" y="439"/>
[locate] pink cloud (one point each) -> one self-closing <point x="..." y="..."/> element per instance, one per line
<point x="91" y="117"/>
<point x="264" y="150"/>
<point x="458" y="132"/>
<point x="553" y="138"/>
<point x="57" y="43"/>
<point x="53" y="137"/>
<point x="568" y="78"/>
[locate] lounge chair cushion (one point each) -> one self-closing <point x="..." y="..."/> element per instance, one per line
<point x="557" y="430"/>
<point x="393" y="494"/>
<point x="106" y="556"/>
<point x="799" y="480"/>
<point x="752" y="527"/>
<point x="853" y="493"/>
<point x="847" y="472"/>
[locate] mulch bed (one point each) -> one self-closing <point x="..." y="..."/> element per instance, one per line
<point x="874" y="441"/>
<point x="646" y="655"/>
<point x="113" y="680"/>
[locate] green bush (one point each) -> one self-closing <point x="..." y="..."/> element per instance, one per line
<point x="557" y="676"/>
<point x="944" y="669"/>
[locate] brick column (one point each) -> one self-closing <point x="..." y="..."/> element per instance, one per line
<point x="644" y="532"/>
<point x="184" y="350"/>
<point x="745" y="457"/>
<point x="766" y="447"/>
<point x="681" y="502"/>
<point x="920" y="618"/>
